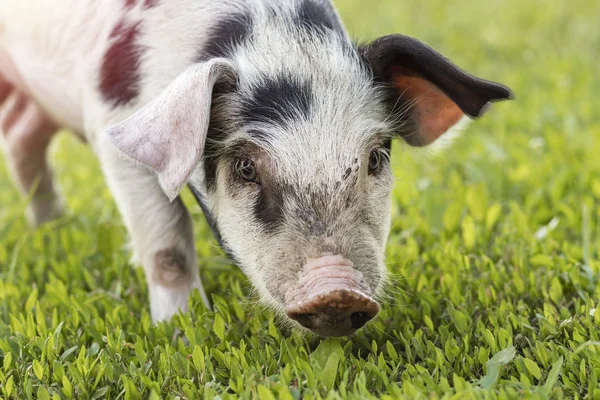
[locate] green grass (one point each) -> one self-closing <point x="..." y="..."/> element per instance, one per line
<point x="494" y="251"/>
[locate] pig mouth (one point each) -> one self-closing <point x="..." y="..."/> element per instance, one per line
<point x="331" y="298"/>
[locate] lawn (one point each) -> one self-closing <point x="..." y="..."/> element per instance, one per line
<point x="494" y="251"/>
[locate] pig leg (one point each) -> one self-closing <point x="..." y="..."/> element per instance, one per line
<point x="161" y="233"/>
<point x="26" y="134"/>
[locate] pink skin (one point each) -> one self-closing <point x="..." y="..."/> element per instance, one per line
<point x="331" y="297"/>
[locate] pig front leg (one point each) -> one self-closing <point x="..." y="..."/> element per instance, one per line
<point x="26" y="133"/>
<point x="161" y="232"/>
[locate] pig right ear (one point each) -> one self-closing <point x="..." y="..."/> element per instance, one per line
<point x="168" y="134"/>
<point x="427" y="94"/>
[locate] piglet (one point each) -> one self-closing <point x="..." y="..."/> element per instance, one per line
<point x="277" y="121"/>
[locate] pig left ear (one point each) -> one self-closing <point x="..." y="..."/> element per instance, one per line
<point x="426" y="93"/>
<point x="168" y="134"/>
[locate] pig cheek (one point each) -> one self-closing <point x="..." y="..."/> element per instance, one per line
<point x="376" y="228"/>
<point x="241" y="234"/>
<point x="380" y="209"/>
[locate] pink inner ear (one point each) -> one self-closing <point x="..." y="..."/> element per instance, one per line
<point x="435" y="112"/>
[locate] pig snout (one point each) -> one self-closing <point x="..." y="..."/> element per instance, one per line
<point x="331" y="298"/>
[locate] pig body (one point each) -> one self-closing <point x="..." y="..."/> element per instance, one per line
<point x="278" y="122"/>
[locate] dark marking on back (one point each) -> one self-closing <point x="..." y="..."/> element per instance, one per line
<point x="278" y="101"/>
<point x="318" y="15"/>
<point x="230" y="32"/>
<point x="120" y="69"/>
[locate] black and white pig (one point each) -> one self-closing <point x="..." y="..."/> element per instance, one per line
<point x="278" y="122"/>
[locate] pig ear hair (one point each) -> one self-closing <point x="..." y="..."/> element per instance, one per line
<point x="426" y="93"/>
<point x="168" y="134"/>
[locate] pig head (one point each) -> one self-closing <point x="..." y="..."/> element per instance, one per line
<point x="292" y="166"/>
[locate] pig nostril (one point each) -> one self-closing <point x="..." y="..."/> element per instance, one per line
<point x="359" y="319"/>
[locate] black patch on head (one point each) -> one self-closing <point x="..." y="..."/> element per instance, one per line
<point x="226" y="35"/>
<point x="268" y="208"/>
<point x="278" y="101"/>
<point x="318" y="15"/>
<point x="258" y="134"/>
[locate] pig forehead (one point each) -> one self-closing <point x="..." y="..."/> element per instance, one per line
<point x="310" y="121"/>
<point x="311" y="143"/>
<point x="312" y="146"/>
<point x="310" y="85"/>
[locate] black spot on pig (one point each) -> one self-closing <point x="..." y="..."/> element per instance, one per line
<point x="229" y="33"/>
<point x="171" y="268"/>
<point x="278" y="101"/>
<point x="268" y="208"/>
<point x="119" y="81"/>
<point x="347" y="174"/>
<point x="318" y="15"/>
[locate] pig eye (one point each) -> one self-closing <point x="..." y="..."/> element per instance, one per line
<point x="246" y="170"/>
<point x="375" y="161"/>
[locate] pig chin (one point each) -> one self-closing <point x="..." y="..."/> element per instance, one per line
<point x="330" y="297"/>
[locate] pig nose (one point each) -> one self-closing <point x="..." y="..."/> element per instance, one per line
<point x="337" y="312"/>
